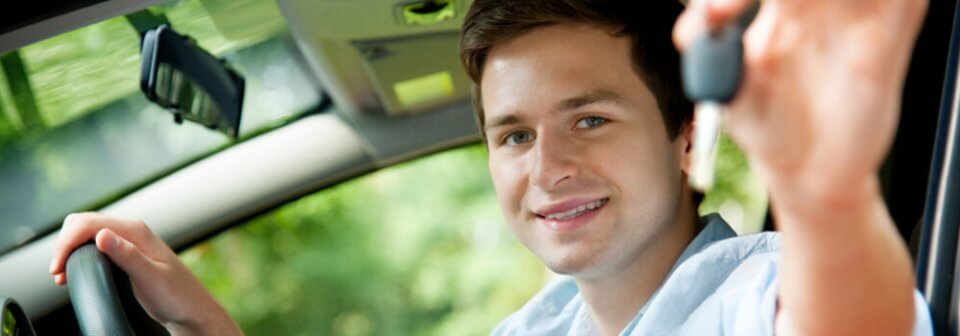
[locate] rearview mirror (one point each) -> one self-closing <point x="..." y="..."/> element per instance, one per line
<point x="13" y="321"/>
<point x="191" y="83"/>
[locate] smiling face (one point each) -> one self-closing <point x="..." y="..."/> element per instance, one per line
<point x="585" y="172"/>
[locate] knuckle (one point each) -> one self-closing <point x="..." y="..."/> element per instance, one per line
<point x="83" y="225"/>
<point x="76" y="224"/>
<point x="75" y="219"/>
<point x="141" y="226"/>
<point x="125" y="248"/>
<point x="141" y="230"/>
<point x="80" y="219"/>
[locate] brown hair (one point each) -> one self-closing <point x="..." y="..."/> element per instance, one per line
<point x="648" y="23"/>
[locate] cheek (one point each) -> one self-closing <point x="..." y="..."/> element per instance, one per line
<point x="643" y="168"/>
<point x="508" y="181"/>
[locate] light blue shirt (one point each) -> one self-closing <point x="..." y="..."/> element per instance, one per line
<point x="721" y="285"/>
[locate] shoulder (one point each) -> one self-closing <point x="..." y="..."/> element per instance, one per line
<point x="732" y="259"/>
<point x="551" y="312"/>
<point x="747" y="268"/>
<point x="729" y="277"/>
<point x="745" y="302"/>
<point x="741" y="248"/>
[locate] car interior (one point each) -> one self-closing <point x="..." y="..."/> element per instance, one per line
<point x="325" y="91"/>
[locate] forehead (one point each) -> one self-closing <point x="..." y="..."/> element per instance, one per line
<point x="540" y="68"/>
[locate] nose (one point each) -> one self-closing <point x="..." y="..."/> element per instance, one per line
<point x="555" y="162"/>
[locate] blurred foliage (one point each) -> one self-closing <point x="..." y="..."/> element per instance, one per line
<point x="416" y="249"/>
<point x="83" y="70"/>
<point x="738" y="195"/>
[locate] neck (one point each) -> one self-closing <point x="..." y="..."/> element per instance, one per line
<point x="614" y="299"/>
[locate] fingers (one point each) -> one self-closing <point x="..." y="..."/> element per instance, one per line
<point x="81" y="228"/>
<point x="123" y="253"/>
<point x="720" y="12"/>
<point x="702" y="16"/>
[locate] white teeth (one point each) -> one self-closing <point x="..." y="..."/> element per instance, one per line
<point x="576" y="211"/>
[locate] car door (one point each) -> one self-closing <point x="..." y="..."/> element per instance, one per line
<point x="937" y="256"/>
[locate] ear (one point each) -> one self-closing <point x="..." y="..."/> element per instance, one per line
<point x="684" y="144"/>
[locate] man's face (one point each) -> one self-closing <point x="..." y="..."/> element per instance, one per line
<point x="586" y="175"/>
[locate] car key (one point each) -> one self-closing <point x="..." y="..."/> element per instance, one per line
<point x="712" y="67"/>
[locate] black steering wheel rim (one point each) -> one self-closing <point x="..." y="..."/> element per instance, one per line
<point x="94" y="295"/>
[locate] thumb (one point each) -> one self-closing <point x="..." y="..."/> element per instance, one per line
<point x="123" y="253"/>
<point x="702" y="16"/>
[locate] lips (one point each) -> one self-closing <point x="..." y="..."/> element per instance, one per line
<point x="570" y="209"/>
<point x="569" y="216"/>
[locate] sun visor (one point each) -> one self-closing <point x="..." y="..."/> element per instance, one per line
<point x="399" y="57"/>
<point x="417" y="73"/>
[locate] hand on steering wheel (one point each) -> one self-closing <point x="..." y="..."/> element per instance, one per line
<point x="162" y="285"/>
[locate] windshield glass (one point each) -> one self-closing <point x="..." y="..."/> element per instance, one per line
<point x="76" y="132"/>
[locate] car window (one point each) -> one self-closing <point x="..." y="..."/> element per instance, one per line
<point x="415" y="249"/>
<point x="76" y="132"/>
<point x="420" y="248"/>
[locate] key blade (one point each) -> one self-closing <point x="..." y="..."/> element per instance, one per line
<point x="708" y="118"/>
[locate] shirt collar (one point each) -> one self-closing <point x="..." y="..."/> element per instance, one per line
<point x="716" y="229"/>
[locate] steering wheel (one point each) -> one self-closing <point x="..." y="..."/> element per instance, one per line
<point x="93" y="292"/>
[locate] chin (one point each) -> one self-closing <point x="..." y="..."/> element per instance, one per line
<point x="572" y="263"/>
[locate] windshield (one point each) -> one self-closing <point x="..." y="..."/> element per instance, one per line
<point x="76" y="132"/>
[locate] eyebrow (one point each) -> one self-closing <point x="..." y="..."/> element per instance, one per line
<point x="591" y="97"/>
<point x="504" y="120"/>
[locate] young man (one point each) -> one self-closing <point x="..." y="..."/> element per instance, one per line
<point x="589" y="146"/>
<point x="589" y="142"/>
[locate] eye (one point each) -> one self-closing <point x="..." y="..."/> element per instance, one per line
<point x="517" y="138"/>
<point x="591" y="122"/>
